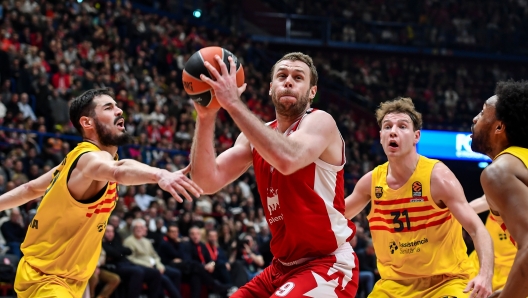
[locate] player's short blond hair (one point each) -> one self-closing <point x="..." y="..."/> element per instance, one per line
<point x="402" y="105"/>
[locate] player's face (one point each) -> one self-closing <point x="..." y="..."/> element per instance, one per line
<point x="109" y="122"/>
<point x="482" y="128"/>
<point x="397" y="135"/>
<point x="290" y="89"/>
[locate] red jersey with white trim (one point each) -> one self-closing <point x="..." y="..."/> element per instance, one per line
<point x="304" y="210"/>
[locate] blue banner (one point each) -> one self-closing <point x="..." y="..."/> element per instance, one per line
<point x="448" y="145"/>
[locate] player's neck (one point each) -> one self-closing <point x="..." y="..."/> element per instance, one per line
<point x="402" y="168"/>
<point x="285" y="121"/>
<point x="110" y="149"/>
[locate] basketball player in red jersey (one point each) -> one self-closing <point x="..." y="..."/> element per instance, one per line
<point x="500" y="132"/>
<point x="298" y="161"/>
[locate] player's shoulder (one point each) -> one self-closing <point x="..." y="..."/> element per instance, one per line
<point x="502" y="165"/>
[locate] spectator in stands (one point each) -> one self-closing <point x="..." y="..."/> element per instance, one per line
<point x="110" y="280"/>
<point x="132" y="275"/>
<point x="366" y="271"/>
<point x="251" y="257"/>
<point x="142" y="198"/>
<point x="200" y="254"/>
<point x="14" y="232"/>
<point x="143" y="254"/>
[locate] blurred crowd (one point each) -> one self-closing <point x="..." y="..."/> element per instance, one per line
<point x="52" y="51"/>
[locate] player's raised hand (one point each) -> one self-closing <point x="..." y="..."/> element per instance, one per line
<point x="224" y="84"/>
<point x="178" y="183"/>
<point x="480" y="287"/>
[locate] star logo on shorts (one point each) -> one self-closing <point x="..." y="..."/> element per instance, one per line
<point x="324" y="288"/>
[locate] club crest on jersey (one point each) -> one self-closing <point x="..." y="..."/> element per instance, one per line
<point x="378" y="191"/>
<point x="416" y="189"/>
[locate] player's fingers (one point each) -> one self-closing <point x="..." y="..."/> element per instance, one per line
<point x="223" y="66"/>
<point x="241" y="89"/>
<point x="212" y="70"/>
<point x="183" y="192"/>
<point x="175" y="196"/>
<point x="192" y="186"/>
<point x="207" y="80"/>
<point x="232" y="65"/>
<point x="468" y="287"/>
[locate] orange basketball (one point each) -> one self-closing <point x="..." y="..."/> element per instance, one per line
<point x="198" y="90"/>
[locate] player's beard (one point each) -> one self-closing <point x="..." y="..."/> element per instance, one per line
<point x="293" y="109"/>
<point x="106" y="138"/>
<point x="481" y="140"/>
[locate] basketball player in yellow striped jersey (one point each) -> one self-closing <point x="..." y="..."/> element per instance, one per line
<point x="504" y="250"/>
<point x="500" y="131"/>
<point x="418" y="209"/>
<point x="63" y="242"/>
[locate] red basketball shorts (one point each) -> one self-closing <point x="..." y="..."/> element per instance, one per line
<point x="331" y="276"/>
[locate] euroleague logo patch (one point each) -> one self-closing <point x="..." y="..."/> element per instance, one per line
<point x="417" y="189"/>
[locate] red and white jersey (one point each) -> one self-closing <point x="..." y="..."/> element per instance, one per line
<point x="304" y="210"/>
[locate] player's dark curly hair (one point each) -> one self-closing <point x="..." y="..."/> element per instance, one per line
<point x="512" y="110"/>
<point x="83" y="105"/>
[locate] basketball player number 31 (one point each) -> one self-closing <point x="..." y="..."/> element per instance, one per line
<point x="397" y="221"/>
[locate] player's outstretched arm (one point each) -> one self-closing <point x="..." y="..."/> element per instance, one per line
<point x="100" y="166"/>
<point x="446" y="188"/>
<point x="26" y="192"/>
<point x="505" y="185"/>
<point x="480" y="204"/>
<point x="211" y="172"/>
<point x="360" y="197"/>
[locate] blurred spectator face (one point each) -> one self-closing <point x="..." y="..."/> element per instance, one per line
<point x="10" y="186"/>
<point x="139" y="229"/>
<point x="173" y="233"/>
<point x="19" y="166"/>
<point x="15" y="216"/>
<point x="142" y="189"/>
<point x="153" y="212"/>
<point x="114" y="221"/>
<point x="24" y="98"/>
<point x="290" y="87"/>
<point x="109" y="233"/>
<point x="159" y="223"/>
<point x="212" y="237"/>
<point x="397" y="135"/>
<point x="195" y="235"/>
<point x="34" y="170"/>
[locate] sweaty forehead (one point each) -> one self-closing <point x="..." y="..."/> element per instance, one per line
<point x="395" y="117"/>
<point x="292" y="65"/>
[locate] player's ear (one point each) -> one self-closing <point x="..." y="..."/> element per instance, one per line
<point x="499" y="127"/>
<point x="86" y="122"/>
<point x="417" y="135"/>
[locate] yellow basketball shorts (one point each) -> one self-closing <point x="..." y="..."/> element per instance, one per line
<point x="440" y="286"/>
<point x="31" y="283"/>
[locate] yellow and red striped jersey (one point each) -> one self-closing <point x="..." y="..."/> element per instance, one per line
<point x="412" y="236"/>
<point x="64" y="238"/>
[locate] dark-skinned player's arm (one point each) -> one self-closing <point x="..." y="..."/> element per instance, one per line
<point x="285" y="154"/>
<point x="26" y="192"/>
<point x="479" y="204"/>
<point x="360" y="197"/>
<point x="100" y="166"/>
<point x="446" y="188"/>
<point x="505" y="185"/>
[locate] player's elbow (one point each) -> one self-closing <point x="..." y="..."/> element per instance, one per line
<point x="286" y="165"/>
